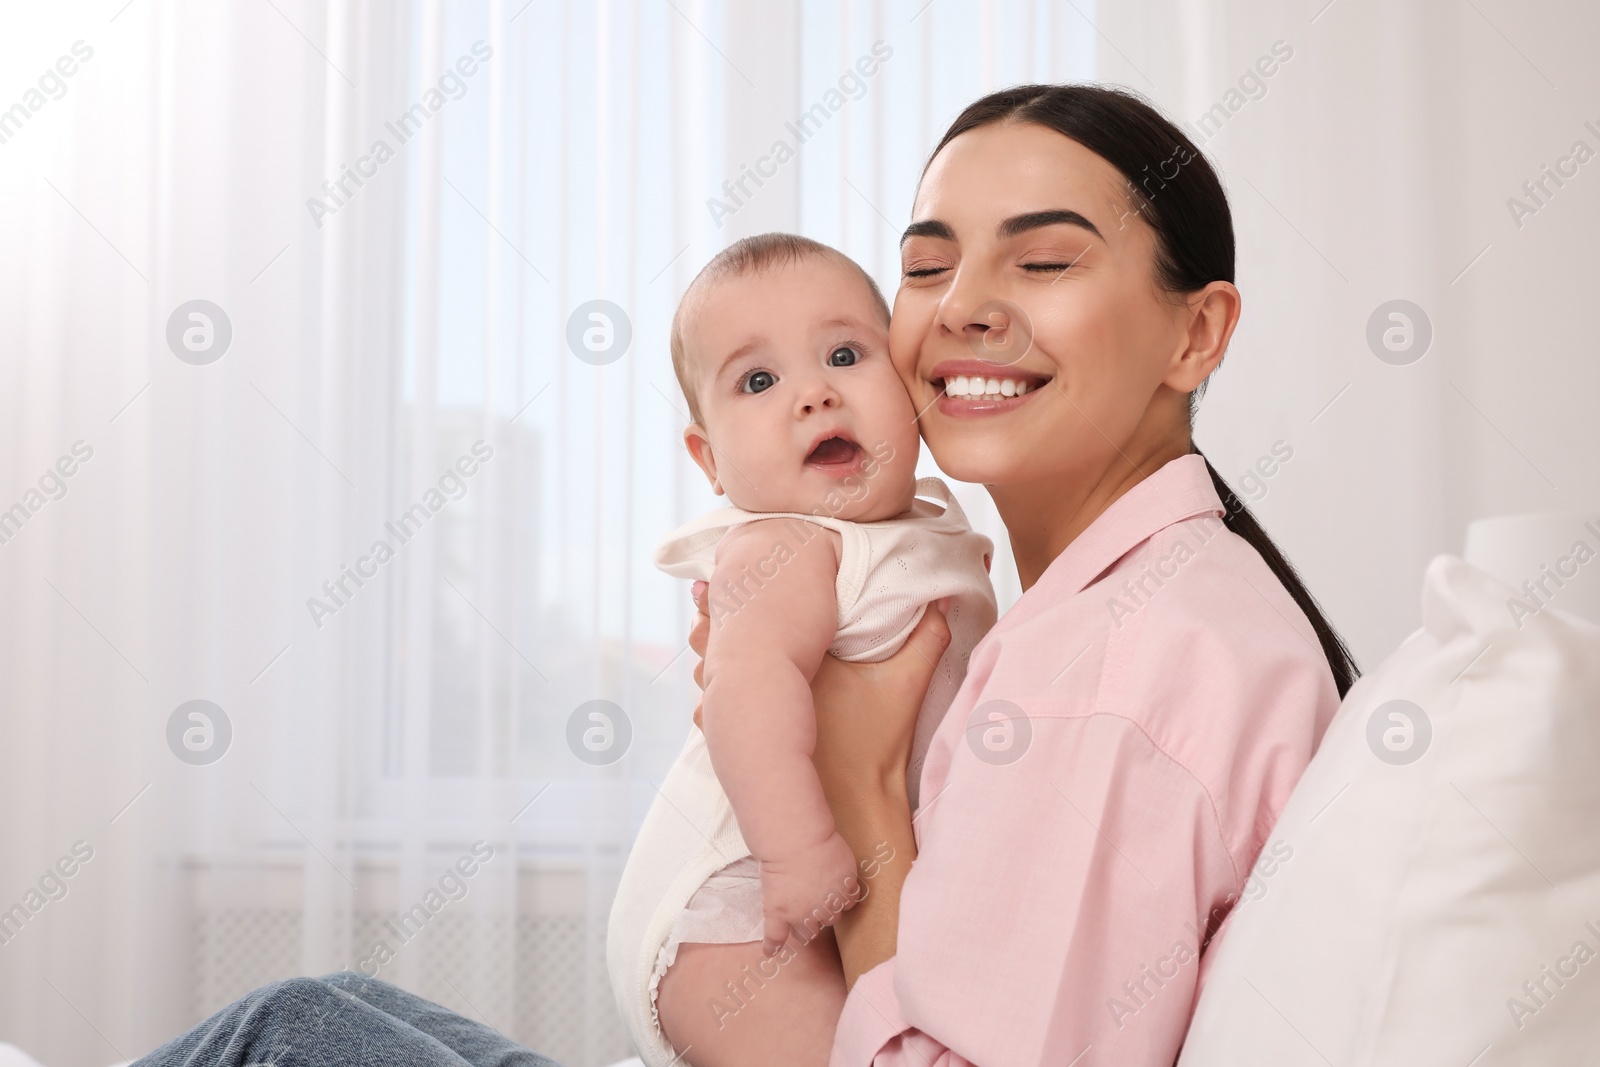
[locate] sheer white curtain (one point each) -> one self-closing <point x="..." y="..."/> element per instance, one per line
<point x="397" y="216"/>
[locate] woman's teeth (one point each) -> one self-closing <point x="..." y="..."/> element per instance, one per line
<point x="984" y="388"/>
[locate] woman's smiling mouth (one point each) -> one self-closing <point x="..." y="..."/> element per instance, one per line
<point x="974" y="387"/>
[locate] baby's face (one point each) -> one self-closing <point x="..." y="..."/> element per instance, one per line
<point x="802" y="408"/>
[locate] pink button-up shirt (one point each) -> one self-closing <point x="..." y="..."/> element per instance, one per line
<point x="1138" y="719"/>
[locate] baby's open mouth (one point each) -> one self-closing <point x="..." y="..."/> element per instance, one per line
<point x="834" y="451"/>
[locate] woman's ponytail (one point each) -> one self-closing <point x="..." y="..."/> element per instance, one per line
<point x="1240" y="521"/>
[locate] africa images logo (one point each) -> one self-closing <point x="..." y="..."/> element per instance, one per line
<point x="851" y="85"/>
<point x="453" y="484"/>
<point x="452" y="85"/>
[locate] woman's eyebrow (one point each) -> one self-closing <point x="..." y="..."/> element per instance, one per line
<point x="929" y="228"/>
<point x="1017" y="224"/>
<point x="1033" y="220"/>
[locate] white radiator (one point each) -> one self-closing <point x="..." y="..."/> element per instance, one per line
<point x="543" y="983"/>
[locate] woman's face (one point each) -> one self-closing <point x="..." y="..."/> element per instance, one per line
<point x="1018" y="229"/>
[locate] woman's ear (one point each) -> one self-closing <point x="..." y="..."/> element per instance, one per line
<point x="1213" y="313"/>
<point x="699" y="446"/>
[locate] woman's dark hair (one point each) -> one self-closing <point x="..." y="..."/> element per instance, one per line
<point x="1175" y="191"/>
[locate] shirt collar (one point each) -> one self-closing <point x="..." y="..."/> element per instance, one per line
<point x="1181" y="489"/>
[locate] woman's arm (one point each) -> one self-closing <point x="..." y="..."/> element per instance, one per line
<point x="861" y="761"/>
<point x="1057" y="903"/>
<point x="866" y="715"/>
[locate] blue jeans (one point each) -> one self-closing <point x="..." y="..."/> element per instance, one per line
<point x="343" y="1018"/>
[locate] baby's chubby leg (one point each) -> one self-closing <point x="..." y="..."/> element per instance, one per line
<point x="730" y="1005"/>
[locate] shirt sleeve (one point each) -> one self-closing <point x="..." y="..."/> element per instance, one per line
<point x="871" y="1021"/>
<point x="1058" y="903"/>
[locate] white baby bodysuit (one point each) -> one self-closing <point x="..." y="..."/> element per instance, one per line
<point x="689" y="876"/>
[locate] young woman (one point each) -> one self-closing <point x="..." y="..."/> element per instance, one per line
<point x="1128" y="732"/>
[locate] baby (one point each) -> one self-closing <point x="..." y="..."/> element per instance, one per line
<point x="831" y="544"/>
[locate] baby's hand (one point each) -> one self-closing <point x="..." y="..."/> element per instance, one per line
<point x="805" y="892"/>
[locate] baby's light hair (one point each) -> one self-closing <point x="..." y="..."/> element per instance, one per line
<point x="749" y="255"/>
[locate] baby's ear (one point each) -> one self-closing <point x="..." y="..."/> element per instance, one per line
<point x="699" y="446"/>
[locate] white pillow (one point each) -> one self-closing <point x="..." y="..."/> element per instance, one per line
<point x="1417" y="898"/>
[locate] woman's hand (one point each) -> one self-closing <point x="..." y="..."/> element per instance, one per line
<point x="867" y="715"/>
<point x="856" y="751"/>
<point x="866" y="719"/>
<point x="697" y="641"/>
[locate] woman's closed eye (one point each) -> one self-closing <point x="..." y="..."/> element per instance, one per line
<point x="1038" y="266"/>
<point x="1050" y="260"/>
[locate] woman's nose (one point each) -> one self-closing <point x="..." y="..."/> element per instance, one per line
<point x="993" y="328"/>
<point x="961" y="310"/>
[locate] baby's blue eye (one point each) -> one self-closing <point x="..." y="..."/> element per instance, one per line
<point x="851" y="357"/>
<point x="758" y="381"/>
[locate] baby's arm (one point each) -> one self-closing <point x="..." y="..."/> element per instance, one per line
<point x="773" y="616"/>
